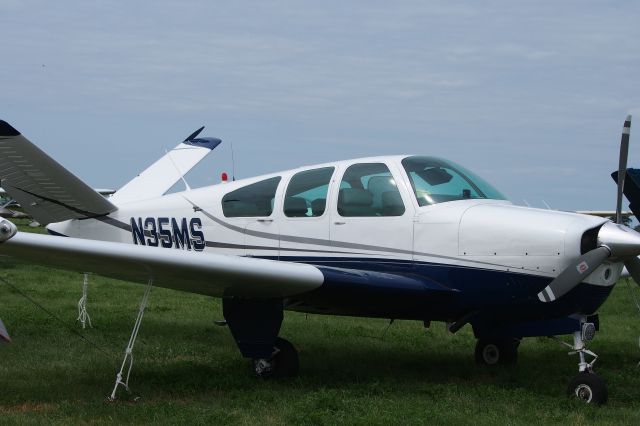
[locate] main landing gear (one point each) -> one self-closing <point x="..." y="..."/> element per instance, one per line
<point x="282" y="363"/>
<point x="255" y="325"/>
<point x="587" y="385"/>
<point x="494" y="351"/>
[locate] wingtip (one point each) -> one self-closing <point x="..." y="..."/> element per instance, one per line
<point x="7" y="130"/>
<point x="628" y="118"/>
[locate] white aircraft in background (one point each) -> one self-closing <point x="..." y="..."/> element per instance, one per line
<point x="398" y="237"/>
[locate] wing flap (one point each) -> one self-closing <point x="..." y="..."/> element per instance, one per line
<point x="44" y="189"/>
<point x="190" y="271"/>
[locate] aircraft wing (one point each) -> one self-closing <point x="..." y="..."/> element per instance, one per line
<point x="196" y="272"/>
<point x="208" y="273"/>
<point x="45" y="190"/>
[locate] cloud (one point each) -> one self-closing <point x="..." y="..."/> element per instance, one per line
<point x="501" y="86"/>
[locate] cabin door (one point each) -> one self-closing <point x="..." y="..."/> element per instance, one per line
<point x="371" y="216"/>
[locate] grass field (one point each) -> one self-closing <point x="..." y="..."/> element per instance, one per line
<point x="187" y="370"/>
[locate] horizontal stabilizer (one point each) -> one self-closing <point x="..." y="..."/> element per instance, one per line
<point x="158" y="178"/>
<point x="195" y="272"/>
<point x="45" y="190"/>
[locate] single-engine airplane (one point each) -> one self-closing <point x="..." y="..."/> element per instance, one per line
<point x="397" y="237"/>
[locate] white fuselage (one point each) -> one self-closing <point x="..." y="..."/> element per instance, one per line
<point x="475" y="233"/>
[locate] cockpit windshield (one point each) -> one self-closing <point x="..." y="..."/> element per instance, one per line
<point x="435" y="180"/>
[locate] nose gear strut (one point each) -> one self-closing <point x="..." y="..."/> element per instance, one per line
<point x="587" y="385"/>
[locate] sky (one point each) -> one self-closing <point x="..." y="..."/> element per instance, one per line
<point x="531" y="95"/>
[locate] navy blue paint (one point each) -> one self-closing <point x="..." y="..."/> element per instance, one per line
<point x="7" y="130"/>
<point x="195" y="226"/>
<point x="551" y="327"/>
<point x="165" y="232"/>
<point x="194" y="134"/>
<point x="210" y="143"/>
<point x="496" y="298"/>
<point x="150" y="225"/>
<point x="181" y="233"/>
<point x="56" y="234"/>
<point x="631" y="189"/>
<point x="254" y="324"/>
<point x="137" y="231"/>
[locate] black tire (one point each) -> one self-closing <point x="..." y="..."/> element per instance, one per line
<point x="283" y="363"/>
<point x="494" y="351"/>
<point x="588" y="387"/>
<point x="285" y="360"/>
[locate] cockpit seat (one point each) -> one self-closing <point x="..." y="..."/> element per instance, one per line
<point x="318" y="206"/>
<point x="392" y="204"/>
<point x="355" y="202"/>
<point x="295" y="207"/>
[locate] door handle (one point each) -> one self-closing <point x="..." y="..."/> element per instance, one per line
<point x="339" y="223"/>
<point x="265" y="220"/>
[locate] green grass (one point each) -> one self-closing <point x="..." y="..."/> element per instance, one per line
<point x="188" y="370"/>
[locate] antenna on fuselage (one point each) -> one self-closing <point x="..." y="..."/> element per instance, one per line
<point x="233" y="163"/>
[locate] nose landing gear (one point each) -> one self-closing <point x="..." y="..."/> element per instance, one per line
<point x="587" y="385"/>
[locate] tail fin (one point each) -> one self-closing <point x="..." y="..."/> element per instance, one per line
<point x="158" y="178"/>
<point x="44" y="189"/>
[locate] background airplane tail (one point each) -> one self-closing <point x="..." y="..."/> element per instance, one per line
<point x="45" y="190"/>
<point x="631" y="189"/>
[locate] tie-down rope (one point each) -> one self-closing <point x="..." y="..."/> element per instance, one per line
<point x="128" y="353"/>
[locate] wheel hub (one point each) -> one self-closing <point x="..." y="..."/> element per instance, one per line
<point x="584" y="392"/>
<point x="491" y="354"/>
<point x="262" y="367"/>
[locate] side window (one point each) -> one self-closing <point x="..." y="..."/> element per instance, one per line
<point x="307" y="193"/>
<point x="251" y="200"/>
<point x="369" y="189"/>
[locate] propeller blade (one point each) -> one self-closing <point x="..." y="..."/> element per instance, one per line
<point x="622" y="165"/>
<point x="574" y="274"/>
<point x="633" y="266"/>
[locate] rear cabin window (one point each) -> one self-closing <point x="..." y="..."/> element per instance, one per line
<point x="369" y="189"/>
<point x="306" y="194"/>
<point x="252" y="200"/>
